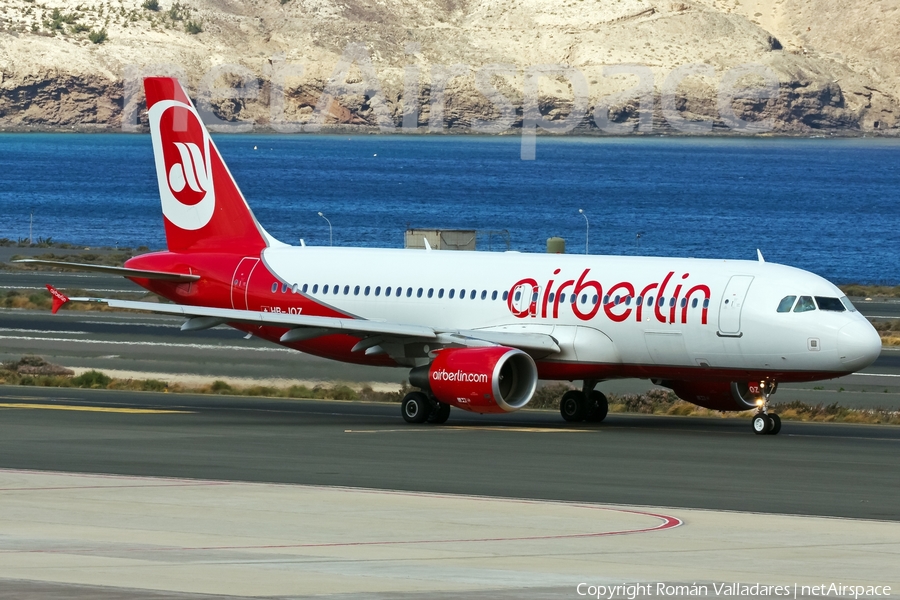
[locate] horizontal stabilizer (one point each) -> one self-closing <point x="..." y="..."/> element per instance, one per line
<point x="123" y="271"/>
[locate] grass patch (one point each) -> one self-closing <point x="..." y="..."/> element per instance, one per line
<point x="653" y="402"/>
<point x="870" y="291"/>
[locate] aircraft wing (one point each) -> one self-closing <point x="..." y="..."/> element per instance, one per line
<point x="375" y="333"/>
<point x="123" y="271"/>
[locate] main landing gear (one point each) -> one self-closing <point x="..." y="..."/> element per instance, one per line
<point x="419" y="407"/>
<point x="586" y="404"/>
<point x="764" y="422"/>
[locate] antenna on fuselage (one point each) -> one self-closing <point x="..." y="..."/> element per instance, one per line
<point x="760" y="256"/>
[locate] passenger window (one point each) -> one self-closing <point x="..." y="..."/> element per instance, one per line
<point x="672" y="301"/>
<point x="347" y="290"/>
<point x="627" y="300"/>
<point x="505" y="296"/>
<point x="617" y="300"/>
<point x="418" y="293"/>
<point x="494" y="295"/>
<point x="606" y="299"/>
<point x="368" y="287"/>
<point x="650" y="301"/>
<point x="337" y="290"/>
<point x="518" y="295"/>
<point x="847" y="304"/>
<point x="274" y="287"/>
<point x="441" y="293"/>
<point x="284" y="288"/>
<point x="706" y="303"/>
<point x="534" y="296"/>
<point x="804" y="304"/>
<point x="683" y="302"/>
<point x="550" y="298"/>
<point x="583" y="298"/>
<point x="356" y="291"/>
<point x="595" y="299"/>
<point x="786" y="303"/>
<point x="483" y="294"/>
<point x="305" y="287"/>
<point x="325" y="290"/>
<point x="387" y="291"/>
<point x="638" y="300"/>
<point x="399" y="291"/>
<point x="409" y="292"/>
<point x="573" y="299"/>
<point x="694" y="303"/>
<point x="832" y="304"/>
<point x="294" y="288"/>
<point x="430" y="292"/>
<point x="315" y="288"/>
<point x="452" y="293"/>
<point x="562" y="297"/>
<point x="377" y="290"/>
<point x="661" y="301"/>
<point x="462" y="294"/>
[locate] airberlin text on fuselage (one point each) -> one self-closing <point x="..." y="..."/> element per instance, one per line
<point x="671" y="300"/>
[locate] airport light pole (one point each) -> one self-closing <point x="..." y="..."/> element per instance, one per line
<point x="330" y="234"/>
<point x="587" y="229"/>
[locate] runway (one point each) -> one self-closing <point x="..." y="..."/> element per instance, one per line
<point x="145" y="343"/>
<point x="239" y="497"/>
<point x="815" y="469"/>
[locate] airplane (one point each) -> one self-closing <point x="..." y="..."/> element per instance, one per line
<point x="479" y="329"/>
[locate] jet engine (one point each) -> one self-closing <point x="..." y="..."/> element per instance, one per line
<point x="495" y="379"/>
<point x="719" y="395"/>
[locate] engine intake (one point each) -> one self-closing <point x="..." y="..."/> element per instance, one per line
<point x="483" y="380"/>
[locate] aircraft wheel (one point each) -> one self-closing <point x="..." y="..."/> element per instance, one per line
<point x="776" y="424"/>
<point x="762" y="424"/>
<point x="440" y="414"/>
<point x="573" y="406"/>
<point x="598" y="406"/>
<point x="416" y="407"/>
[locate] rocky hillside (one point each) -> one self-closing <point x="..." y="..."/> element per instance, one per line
<point x="832" y="66"/>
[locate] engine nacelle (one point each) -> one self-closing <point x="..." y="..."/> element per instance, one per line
<point x="719" y="395"/>
<point x="496" y="379"/>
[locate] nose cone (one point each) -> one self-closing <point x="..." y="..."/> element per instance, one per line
<point x="858" y="345"/>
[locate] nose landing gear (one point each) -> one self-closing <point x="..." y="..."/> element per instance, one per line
<point x="765" y="423"/>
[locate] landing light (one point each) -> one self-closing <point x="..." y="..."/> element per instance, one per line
<point x="760" y="402"/>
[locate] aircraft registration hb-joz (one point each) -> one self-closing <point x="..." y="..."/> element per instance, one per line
<point x="479" y="329"/>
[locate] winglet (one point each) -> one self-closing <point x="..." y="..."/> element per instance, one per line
<point x="760" y="256"/>
<point x="58" y="298"/>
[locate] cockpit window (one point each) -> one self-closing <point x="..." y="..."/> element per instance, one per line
<point x="786" y="303"/>
<point x="804" y="304"/>
<point x="833" y="304"/>
<point x="847" y="304"/>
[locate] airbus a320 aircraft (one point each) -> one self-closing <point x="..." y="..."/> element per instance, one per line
<point x="478" y="330"/>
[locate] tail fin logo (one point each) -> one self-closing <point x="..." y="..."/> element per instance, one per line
<point x="183" y="153"/>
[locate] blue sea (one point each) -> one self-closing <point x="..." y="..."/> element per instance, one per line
<point x="826" y="205"/>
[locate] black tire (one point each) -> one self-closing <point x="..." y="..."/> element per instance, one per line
<point x="573" y="406"/>
<point x="761" y="424"/>
<point x="776" y="424"/>
<point x="598" y="407"/>
<point x="416" y="407"/>
<point x="440" y="414"/>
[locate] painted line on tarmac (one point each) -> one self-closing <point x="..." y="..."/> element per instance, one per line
<point x="102" y="409"/>
<point x="473" y="428"/>
<point x="44" y="331"/>
<point x="159" y="344"/>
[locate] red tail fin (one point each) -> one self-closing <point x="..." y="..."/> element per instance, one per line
<point x="58" y="298"/>
<point x="203" y="209"/>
